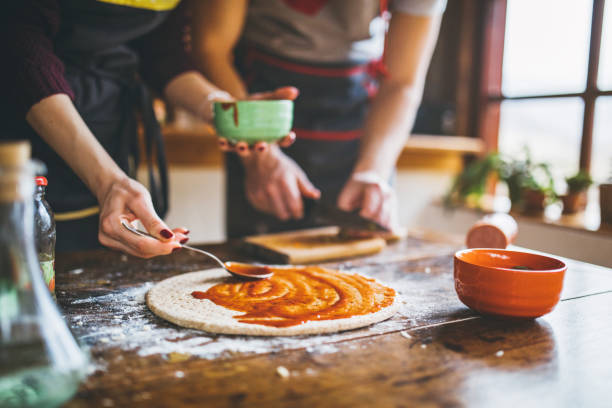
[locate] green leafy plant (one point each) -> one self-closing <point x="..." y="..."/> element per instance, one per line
<point x="518" y="174"/>
<point x="472" y="181"/>
<point x="581" y="181"/>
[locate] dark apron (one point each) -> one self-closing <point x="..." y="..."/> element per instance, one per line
<point x="328" y="117"/>
<point x="108" y="96"/>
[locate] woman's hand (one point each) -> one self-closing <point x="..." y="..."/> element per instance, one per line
<point x="275" y="184"/>
<point x="127" y="199"/>
<point x="242" y="148"/>
<point x="373" y="196"/>
<point x="120" y="198"/>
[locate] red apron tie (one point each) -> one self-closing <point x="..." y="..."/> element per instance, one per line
<point x="377" y="69"/>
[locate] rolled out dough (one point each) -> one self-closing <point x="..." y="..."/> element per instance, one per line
<point x="171" y="299"/>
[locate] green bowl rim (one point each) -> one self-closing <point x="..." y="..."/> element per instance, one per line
<point x="258" y="102"/>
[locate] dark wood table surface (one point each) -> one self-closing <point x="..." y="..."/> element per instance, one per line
<point x="435" y="352"/>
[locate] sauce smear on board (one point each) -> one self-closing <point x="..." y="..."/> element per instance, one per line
<point x="297" y="295"/>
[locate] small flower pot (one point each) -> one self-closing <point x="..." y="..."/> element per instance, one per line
<point x="574" y="202"/>
<point x="605" y="203"/>
<point x="534" y="201"/>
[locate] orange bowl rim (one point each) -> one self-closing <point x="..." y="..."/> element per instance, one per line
<point x="562" y="268"/>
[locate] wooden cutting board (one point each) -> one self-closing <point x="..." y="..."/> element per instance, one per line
<point x="311" y="245"/>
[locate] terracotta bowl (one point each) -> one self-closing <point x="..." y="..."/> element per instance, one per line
<point x="508" y="283"/>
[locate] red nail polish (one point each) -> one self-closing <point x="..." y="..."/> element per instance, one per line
<point x="187" y="232"/>
<point x="176" y="249"/>
<point x="166" y="233"/>
<point x="184" y="240"/>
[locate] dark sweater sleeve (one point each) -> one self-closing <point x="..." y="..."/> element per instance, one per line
<point x="165" y="52"/>
<point x="31" y="70"/>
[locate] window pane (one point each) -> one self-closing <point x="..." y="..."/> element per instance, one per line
<point x="550" y="128"/>
<point x="605" y="59"/>
<point x="601" y="164"/>
<point x="546" y="46"/>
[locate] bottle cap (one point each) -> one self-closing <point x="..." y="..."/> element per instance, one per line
<point x="41" y="181"/>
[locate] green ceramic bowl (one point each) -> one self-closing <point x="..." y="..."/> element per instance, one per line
<point x="254" y="121"/>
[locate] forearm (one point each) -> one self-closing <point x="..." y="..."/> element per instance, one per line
<point x="57" y="121"/>
<point x="393" y="110"/>
<point x="387" y="127"/>
<point x="193" y="92"/>
<point x="216" y="29"/>
<point x="218" y="66"/>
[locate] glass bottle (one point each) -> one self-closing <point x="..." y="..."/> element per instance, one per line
<point x="41" y="364"/>
<point x="44" y="232"/>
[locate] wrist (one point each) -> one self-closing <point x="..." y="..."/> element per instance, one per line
<point x="371" y="177"/>
<point x="381" y="170"/>
<point x="104" y="181"/>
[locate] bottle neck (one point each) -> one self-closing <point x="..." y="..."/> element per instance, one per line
<point x="39" y="192"/>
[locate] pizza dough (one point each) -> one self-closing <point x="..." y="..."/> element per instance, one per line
<point x="172" y="299"/>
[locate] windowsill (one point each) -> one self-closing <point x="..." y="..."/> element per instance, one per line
<point x="195" y="145"/>
<point x="587" y="221"/>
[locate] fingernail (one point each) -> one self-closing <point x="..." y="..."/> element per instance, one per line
<point x="184" y="240"/>
<point x="223" y="142"/>
<point x="176" y="249"/>
<point x="166" y="233"/>
<point x="187" y="231"/>
<point x="261" y="148"/>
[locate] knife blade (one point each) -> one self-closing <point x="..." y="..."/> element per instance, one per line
<point x="327" y="213"/>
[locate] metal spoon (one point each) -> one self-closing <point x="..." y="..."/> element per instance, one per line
<point x="238" y="269"/>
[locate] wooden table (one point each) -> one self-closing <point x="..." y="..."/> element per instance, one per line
<point x="436" y="352"/>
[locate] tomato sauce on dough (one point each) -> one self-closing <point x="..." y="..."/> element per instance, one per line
<point x="294" y="296"/>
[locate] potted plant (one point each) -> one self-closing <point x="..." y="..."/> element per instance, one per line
<point x="530" y="185"/>
<point x="471" y="184"/>
<point x="605" y="201"/>
<point x="575" y="200"/>
<point x="537" y="190"/>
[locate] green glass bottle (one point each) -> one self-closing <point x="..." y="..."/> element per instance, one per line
<point x="41" y="364"/>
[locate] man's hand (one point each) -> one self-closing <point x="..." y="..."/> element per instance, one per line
<point x="374" y="197"/>
<point x="275" y="184"/>
<point x="128" y="200"/>
<point x="391" y="115"/>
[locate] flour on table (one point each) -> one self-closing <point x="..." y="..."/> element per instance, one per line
<point x="121" y="319"/>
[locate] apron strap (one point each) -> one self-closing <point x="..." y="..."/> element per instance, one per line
<point x="140" y="96"/>
<point x="377" y="69"/>
<point x="155" y="151"/>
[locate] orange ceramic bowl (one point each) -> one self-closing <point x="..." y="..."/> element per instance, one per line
<point x="508" y="283"/>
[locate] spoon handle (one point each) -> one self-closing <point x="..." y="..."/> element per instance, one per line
<point x="146" y="234"/>
<point x="201" y="251"/>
